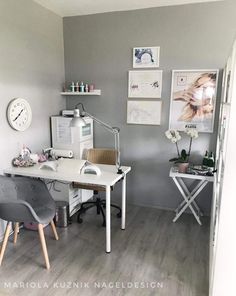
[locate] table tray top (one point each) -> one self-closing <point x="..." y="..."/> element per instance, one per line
<point x="175" y="174"/>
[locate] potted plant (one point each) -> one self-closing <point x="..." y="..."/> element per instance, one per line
<point x="183" y="157"/>
<point x="182" y="161"/>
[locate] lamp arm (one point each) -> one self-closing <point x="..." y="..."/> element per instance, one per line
<point x="115" y="131"/>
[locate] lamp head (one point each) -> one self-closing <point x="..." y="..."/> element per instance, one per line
<point x="77" y="121"/>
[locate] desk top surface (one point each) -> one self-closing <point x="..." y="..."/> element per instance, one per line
<point x="174" y="174"/>
<point x="108" y="175"/>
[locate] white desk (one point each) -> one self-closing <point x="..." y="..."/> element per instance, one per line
<point x="70" y="173"/>
<point x="189" y="197"/>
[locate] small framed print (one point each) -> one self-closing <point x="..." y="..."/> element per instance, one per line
<point x="146" y="57"/>
<point x="193" y="99"/>
<point x="145" y="84"/>
<point x="144" y="112"/>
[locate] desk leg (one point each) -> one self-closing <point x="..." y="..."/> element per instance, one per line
<point x="108" y="219"/>
<point x="123" y="207"/>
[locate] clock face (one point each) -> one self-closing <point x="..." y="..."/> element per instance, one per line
<point x="19" y="114"/>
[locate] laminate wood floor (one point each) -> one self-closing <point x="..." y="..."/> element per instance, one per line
<point x="153" y="256"/>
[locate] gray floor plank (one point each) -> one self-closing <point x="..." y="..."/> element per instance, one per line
<point x="158" y="256"/>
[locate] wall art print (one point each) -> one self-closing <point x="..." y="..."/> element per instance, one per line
<point x="144" y="112"/>
<point x="146" y="57"/>
<point x="193" y="99"/>
<point x="145" y="84"/>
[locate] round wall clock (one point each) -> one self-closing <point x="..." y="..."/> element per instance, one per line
<point x="19" y="114"/>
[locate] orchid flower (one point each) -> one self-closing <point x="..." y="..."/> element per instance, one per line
<point x="193" y="133"/>
<point x="174" y="136"/>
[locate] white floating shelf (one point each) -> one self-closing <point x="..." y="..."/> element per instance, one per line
<point x="96" y="92"/>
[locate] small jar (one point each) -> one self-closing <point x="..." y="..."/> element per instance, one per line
<point x="91" y="87"/>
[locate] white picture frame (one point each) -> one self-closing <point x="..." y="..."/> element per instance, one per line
<point x="146" y="57"/>
<point x="144" y="112"/>
<point x="145" y="84"/>
<point x="193" y="99"/>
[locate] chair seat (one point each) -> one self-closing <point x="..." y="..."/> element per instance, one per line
<point x="44" y="214"/>
<point x="97" y="156"/>
<point x="26" y="200"/>
<point x="93" y="187"/>
<point x="89" y="186"/>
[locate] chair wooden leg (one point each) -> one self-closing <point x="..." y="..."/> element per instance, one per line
<point x="54" y="230"/>
<point x="4" y="243"/>
<point x="16" y="230"/>
<point x="44" y="246"/>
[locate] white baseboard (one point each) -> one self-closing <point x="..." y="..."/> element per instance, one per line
<point x="152" y="206"/>
<point x="162" y="208"/>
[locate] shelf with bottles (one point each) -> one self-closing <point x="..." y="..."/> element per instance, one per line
<point x="80" y="89"/>
<point x="95" y="92"/>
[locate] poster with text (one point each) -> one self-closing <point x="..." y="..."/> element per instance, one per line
<point x="193" y="99"/>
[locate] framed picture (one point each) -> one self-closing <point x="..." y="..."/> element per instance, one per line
<point x="144" y="112"/>
<point x="193" y="99"/>
<point x="145" y="84"/>
<point x="146" y="57"/>
<point x="227" y="77"/>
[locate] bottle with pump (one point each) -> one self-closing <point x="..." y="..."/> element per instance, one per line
<point x="211" y="162"/>
<point x="205" y="160"/>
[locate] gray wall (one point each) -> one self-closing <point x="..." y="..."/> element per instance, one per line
<point x="31" y="67"/>
<point x="98" y="49"/>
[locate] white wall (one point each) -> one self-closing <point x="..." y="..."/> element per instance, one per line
<point x="224" y="255"/>
<point x="31" y="67"/>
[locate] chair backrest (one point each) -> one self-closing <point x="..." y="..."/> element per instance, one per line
<point x="102" y="156"/>
<point x="22" y="198"/>
<point x="8" y="188"/>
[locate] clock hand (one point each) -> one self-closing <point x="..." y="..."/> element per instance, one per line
<point x="18" y="115"/>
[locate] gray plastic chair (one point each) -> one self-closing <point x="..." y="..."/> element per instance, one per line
<point x="28" y="200"/>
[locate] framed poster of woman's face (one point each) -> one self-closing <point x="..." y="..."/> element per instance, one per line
<point x="193" y="99"/>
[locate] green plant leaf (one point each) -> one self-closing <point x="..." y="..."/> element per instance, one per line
<point x="173" y="159"/>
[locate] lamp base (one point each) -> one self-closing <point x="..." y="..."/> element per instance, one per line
<point x="119" y="171"/>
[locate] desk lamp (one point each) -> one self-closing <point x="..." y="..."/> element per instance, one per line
<point x="78" y="121"/>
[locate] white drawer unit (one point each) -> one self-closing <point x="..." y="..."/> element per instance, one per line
<point x="74" y="207"/>
<point x="76" y="139"/>
<point x="86" y="195"/>
<point x="65" y="192"/>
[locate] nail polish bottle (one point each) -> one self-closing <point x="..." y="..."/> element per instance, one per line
<point x="81" y="87"/>
<point x="77" y="86"/>
<point x="72" y="86"/>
